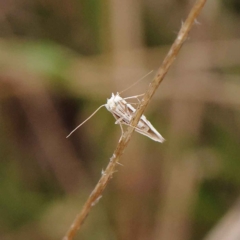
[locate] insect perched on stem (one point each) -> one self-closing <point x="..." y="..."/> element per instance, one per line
<point x="123" y="113"/>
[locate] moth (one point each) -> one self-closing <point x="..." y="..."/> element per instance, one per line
<point x="123" y="112"/>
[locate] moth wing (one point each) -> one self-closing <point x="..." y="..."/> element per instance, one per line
<point x="147" y="129"/>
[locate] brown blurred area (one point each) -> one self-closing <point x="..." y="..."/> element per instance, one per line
<point x="59" y="61"/>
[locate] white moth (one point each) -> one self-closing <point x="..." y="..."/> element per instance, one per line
<point x="123" y="113"/>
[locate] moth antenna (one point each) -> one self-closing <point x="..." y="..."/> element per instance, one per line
<point x="84" y="121"/>
<point x="136" y="82"/>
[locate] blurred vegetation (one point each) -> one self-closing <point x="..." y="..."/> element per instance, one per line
<point x="59" y="61"/>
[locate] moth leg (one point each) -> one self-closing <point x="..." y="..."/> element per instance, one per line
<point x="121" y="129"/>
<point x="132" y="103"/>
<point x="129" y="125"/>
<point x="136" y="97"/>
<point x="119" y="120"/>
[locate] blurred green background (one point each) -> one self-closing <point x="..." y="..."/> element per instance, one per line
<point x="60" y="60"/>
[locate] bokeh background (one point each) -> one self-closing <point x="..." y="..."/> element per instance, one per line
<point x="60" y="60"/>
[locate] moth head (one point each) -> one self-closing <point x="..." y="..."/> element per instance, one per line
<point x="117" y="98"/>
<point x="111" y="104"/>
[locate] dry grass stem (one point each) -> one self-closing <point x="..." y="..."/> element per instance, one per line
<point x="107" y="174"/>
